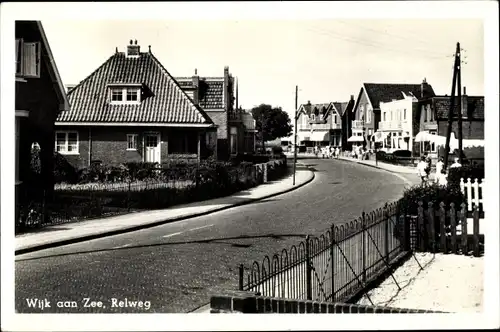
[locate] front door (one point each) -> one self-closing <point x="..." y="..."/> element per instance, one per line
<point x="152" y="148"/>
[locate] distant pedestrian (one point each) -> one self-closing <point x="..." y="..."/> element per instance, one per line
<point x="439" y="168"/>
<point x="456" y="164"/>
<point x="422" y="170"/>
<point x="441" y="177"/>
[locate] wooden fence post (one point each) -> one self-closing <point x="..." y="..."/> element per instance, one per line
<point x="420" y="227"/>
<point x="442" y="229"/>
<point x="475" y="216"/>
<point x="463" y="223"/>
<point x="432" y="226"/>
<point x="453" y="223"/>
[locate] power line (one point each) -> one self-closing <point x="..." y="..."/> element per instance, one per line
<point x="365" y="43"/>
<point x="390" y="34"/>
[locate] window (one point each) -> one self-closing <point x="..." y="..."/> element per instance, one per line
<point x="125" y="95"/>
<point x="234" y="140"/>
<point x="183" y="142"/>
<point x="27" y="58"/>
<point x="116" y="95"/>
<point x="370" y="132"/>
<point x="132" y="141"/>
<point x="368" y="115"/>
<point x="67" y="142"/>
<point x="431" y="113"/>
<point x="132" y="94"/>
<point x="404" y="114"/>
<point x="385" y="117"/>
<point x="335" y="118"/>
<point x="313" y="117"/>
<point x="425" y="113"/>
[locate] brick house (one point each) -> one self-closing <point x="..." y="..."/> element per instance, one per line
<point x="367" y="115"/>
<point x="347" y="118"/>
<point x="218" y="97"/>
<point x="319" y="124"/>
<point x="39" y="97"/>
<point x="132" y="109"/>
<point x="432" y="117"/>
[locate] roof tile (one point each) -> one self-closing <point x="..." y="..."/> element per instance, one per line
<point x="386" y="92"/>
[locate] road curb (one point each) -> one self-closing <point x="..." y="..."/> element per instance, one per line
<point x="156" y="223"/>
<point x="398" y="174"/>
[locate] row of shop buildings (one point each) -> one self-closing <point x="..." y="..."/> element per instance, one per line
<point x="392" y="117"/>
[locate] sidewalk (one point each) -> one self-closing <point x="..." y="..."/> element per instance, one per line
<point x="381" y="165"/>
<point x="58" y="235"/>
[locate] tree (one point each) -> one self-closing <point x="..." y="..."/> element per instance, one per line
<point x="271" y="123"/>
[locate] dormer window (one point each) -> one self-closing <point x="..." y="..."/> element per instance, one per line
<point x="125" y="94"/>
<point x="133" y="94"/>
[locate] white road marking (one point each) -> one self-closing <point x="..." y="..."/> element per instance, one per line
<point x="173" y="234"/>
<point x="192" y="229"/>
<point x="125" y="245"/>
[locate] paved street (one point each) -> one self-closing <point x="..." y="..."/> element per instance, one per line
<point x="177" y="266"/>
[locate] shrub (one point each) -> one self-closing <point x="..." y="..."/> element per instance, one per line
<point x="63" y="170"/>
<point x="408" y="205"/>
<point x="277" y="150"/>
<point x="465" y="172"/>
<point x="141" y="170"/>
<point x="402" y="153"/>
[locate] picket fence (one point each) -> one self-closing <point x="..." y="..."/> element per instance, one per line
<point x="473" y="191"/>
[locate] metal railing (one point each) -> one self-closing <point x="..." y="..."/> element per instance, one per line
<point x="334" y="266"/>
<point x="390" y="125"/>
<point x="357" y="124"/>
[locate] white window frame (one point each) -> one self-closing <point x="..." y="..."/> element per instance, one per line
<point x="134" y="139"/>
<point x="131" y="90"/>
<point x="124" y="92"/>
<point x="67" y="132"/>
<point x="32" y="65"/>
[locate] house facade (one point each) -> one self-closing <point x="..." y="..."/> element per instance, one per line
<point x="395" y="129"/>
<point x="131" y="109"/>
<point x="319" y="124"/>
<point x="432" y="118"/>
<point x="39" y="97"/>
<point x="218" y="97"/>
<point x="367" y="112"/>
<point x="347" y="118"/>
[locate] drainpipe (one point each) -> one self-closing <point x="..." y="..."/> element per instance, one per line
<point x="90" y="146"/>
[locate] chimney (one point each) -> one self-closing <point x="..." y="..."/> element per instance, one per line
<point x="423" y="88"/>
<point x="308" y="102"/>
<point x="196" y="86"/>
<point x="352" y="97"/>
<point x="133" y="50"/>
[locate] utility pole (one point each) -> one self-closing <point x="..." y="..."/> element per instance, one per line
<point x="295" y="135"/>
<point x="456" y="69"/>
<point x="459" y="108"/>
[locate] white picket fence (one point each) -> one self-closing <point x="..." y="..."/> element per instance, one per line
<point x="473" y="192"/>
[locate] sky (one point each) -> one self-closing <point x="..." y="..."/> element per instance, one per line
<point x="328" y="59"/>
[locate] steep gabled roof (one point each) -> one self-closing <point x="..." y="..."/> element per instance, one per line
<point x="386" y="92"/>
<point x="211" y="94"/>
<point x="166" y="103"/>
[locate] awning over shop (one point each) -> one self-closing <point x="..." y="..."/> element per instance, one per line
<point x="379" y="136"/>
<point x="356" y="139"/>
<point x="320" y="136"/>
<point x="303" y="136"/>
